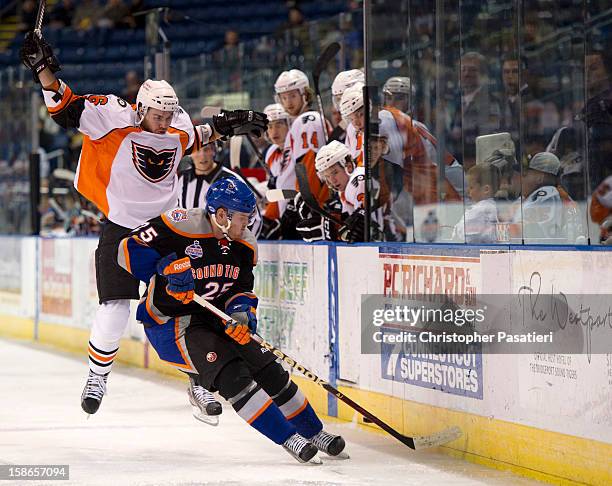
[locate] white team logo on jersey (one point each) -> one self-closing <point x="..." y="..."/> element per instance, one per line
<point x="194" y="250"/>
<point x="152" y="164"/>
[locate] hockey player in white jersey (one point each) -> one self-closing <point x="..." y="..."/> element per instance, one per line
<point x="338" y="169"/>
<point x="345" y="132"/>
<point x="278" y="126"/>
<point x="127" y="167"/>
<point x="305" y="135"/>
<point x="397" y="95"/>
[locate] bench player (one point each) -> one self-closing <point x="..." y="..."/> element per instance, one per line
<point x="127" y="167"/>
<point x="339" y="170"/>
<point x="279" y="122"/>
<point x="212" y="253"/>
<point x="305" y="135"/>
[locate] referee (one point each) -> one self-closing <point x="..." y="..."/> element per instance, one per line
<point x="195" y="181"/>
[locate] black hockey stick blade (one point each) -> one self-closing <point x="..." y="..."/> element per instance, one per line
<point x="326" y="56"/>
<point x="275" y="195"/>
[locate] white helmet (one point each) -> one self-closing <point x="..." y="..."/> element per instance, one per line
<point x="333" y="153"/>
<point x="276" y="112"/>
<point x="290" y="80"/>
<point x="397" y="85"/>
<point x="155" y="94"/>
<point x="343" y="81"/>
<point x="352" y="100"/>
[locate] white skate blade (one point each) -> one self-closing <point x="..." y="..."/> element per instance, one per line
<point x="340" y="457"/>
<point x="207" y="419"/>
<point x="315" y="461"/>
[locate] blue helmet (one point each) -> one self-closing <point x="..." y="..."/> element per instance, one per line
<point x="232" y="194"/>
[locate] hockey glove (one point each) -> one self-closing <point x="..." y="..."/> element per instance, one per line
<point x="317" y="228"/>
<point x="290" y="219"/>
<point x="37" y="55"/>
<point x="240" y="122"/>
<point x="355" y="227"/>
<point x="271" y="229"/>
<point x="243" y="323"/>
<point x="179" y="276"/>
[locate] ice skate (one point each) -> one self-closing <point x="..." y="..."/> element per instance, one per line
<point x="95" y="389"/>
<point x="302" y="449"/>
<point x="205" y="406"/>
<point x="332" y="445"/>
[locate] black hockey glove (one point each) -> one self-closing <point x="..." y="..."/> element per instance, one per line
<point x="317" y="228"/>
<point x="240" y="122"/>
<point x="271" y="229"/>
<point x="355" y="227"/>
<point x="290" y="219"/>
<point x="36" y="54"/>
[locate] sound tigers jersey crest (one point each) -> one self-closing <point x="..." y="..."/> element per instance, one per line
<point x="152" y="164"/>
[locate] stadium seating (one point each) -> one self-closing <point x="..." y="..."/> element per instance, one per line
<point x="99" y="58"/>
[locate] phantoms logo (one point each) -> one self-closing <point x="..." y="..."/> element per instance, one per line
<point x="153" y="165"/>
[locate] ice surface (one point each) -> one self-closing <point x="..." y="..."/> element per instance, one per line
<point x="144" y="434"/>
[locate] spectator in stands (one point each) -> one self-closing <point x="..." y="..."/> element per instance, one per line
<point x="510" y="109"/>
<point x="476" y="110"/>
<point x="86" y="15"/>
<point x="229" y="59"/>
<point x="132" y="85"/>
<point x="295" y="31"/>
<point x="479" y="221"/>
<point x="61" y="15"/>
<point x="114" y="15"/>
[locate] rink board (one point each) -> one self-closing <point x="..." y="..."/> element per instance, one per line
<point x="554" y="428"/>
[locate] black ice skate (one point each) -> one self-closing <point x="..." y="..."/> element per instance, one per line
<point x="332" y="445"/>
<point x="205" y="406"/>
<point x="302" y="449"/>
<point x="94" y="390"/>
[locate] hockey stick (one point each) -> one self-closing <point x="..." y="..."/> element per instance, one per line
<point x="259" y="155"/>
<point x="326" y="56"/>
<point x="275" y="195"/>
<point x="414" y="443"/>
<point x="308" y="196"/>
<point x="42" y="6"/>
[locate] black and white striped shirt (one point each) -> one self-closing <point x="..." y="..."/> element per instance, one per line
<point x="193" y="189"/>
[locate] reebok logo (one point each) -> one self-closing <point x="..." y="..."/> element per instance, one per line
<point x="181" y="267"/>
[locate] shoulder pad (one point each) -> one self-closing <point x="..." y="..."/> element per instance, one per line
<point x="191" y="223"/>
<point x="250" y="242"/>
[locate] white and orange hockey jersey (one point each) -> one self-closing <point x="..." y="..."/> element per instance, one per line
<point x="304" y="139"/>
<point x="130" y="174"/>
<point x="354" y="142"/>
<point x="353" y="196"/>
<point x="275" y="161"/>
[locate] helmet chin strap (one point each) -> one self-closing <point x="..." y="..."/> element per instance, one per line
<point x="225" y="229"/>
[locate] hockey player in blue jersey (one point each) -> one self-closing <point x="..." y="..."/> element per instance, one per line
<point x="212" y="253"/>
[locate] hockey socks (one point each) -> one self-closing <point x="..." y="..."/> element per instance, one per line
<point x="252" y="403"/>
<point x="100" y="360"/>
<point x="300" y="413"/>
<point x="275" y="380"/>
